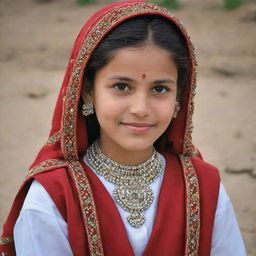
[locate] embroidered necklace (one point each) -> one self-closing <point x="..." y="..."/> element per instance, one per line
<point x="132" y="191"/>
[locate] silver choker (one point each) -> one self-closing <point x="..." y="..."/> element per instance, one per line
<point x="132" y="191"/>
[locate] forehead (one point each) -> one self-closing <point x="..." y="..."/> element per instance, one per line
<point x="148" y="61"/>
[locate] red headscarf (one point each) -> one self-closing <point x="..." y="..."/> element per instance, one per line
<point x="68" y="135"/>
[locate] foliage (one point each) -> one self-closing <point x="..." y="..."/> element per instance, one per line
<point x="82" y="2"/>
<point x="232" y="4"/>
<point x="170" y="4"/>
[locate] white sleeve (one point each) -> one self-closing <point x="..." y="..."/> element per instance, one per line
<point x="226" y="239"/>
<point x="40" y="229"/>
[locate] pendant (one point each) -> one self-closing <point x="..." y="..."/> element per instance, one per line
<point x="135" y="199"/>
<point x="136" y="219"/>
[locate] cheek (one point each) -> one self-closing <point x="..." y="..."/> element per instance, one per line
<point x="166" y="110"/>
<point x="107" y="108"/>
<point x="166" y="119"/>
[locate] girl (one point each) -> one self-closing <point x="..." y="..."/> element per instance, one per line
<point x="119" y="174"/>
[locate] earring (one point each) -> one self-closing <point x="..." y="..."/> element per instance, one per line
<point x="87" y="109"/>
<point x="176" y="109"/>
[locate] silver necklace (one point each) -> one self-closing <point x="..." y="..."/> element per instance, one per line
<point x="132" y="191"/>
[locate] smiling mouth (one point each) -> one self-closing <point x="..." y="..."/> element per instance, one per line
<point x="137" y="127"/>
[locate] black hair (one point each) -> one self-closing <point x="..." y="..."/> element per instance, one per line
<point x="136" y="32"/>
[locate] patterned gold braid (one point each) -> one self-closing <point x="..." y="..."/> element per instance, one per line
<point x="53" y="139"/>
<point x="6" y="240"/>
<point x="88" y="208"/>
<point x="192" y="207"/>
<point x="46" y="165"/>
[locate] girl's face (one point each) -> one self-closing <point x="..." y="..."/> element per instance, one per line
<point x="134" y="97"/>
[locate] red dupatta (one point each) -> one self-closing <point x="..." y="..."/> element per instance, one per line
<point x="68" y="135"/>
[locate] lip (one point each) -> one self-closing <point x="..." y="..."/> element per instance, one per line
<point x="137" y="127"/>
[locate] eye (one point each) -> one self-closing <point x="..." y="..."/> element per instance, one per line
<point x="121" y="87"/>
<point x="160" y="89"/>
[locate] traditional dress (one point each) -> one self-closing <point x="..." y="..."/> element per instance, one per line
<point x="69" y="209"/>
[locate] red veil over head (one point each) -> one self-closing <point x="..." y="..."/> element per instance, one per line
<point x="68" y="136"/>
<point x="68" y="125"/>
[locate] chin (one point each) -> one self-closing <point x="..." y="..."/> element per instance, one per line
<point x="136" y="145"/>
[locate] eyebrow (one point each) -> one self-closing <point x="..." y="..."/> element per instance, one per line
<point x="127" y="79"/>
<point x="122" y="78"/>
<point x="164" y="81"/>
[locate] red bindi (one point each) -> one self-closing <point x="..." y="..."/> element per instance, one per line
<point x="143" y="76"/>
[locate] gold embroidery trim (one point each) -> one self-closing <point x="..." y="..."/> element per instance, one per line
<point x="46" y="165"/>
<point x="53" y="139"/>
<point x="88" y="209"/>
<point x="6" y="240"/>
<point x="192" y="207"/>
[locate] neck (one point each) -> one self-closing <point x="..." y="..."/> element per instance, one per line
<point x="126" y="157"/>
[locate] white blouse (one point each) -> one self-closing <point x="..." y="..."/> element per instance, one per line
<point x="41" y="230"/>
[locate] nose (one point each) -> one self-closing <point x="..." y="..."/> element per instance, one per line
<point x="140" y="104"/>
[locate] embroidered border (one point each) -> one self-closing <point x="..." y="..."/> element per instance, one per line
<point x="53" y="139"/>
<point x="192" y="207"/>
<point x="108" y="21"/>
<point x="188" y="147"/>
<point x="88" y="208"/>
<point x="46" y="165"/>
<point x="6" y="240"/>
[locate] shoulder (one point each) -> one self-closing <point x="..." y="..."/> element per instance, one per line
<point x="226" y="237"/>
<point x="209" y="183"/>
<point x="205" y="170"/>
<point x="224" y="202"/>
<point x="38" y="200"/>
<point x="59" y="186"/>
<point x="59" y="175"/>
<point x="56" y="182"/>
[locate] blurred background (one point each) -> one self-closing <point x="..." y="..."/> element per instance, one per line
<point x="36" y="37"/>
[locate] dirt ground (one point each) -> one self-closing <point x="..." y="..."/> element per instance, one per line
<point x="36" y="40"/>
